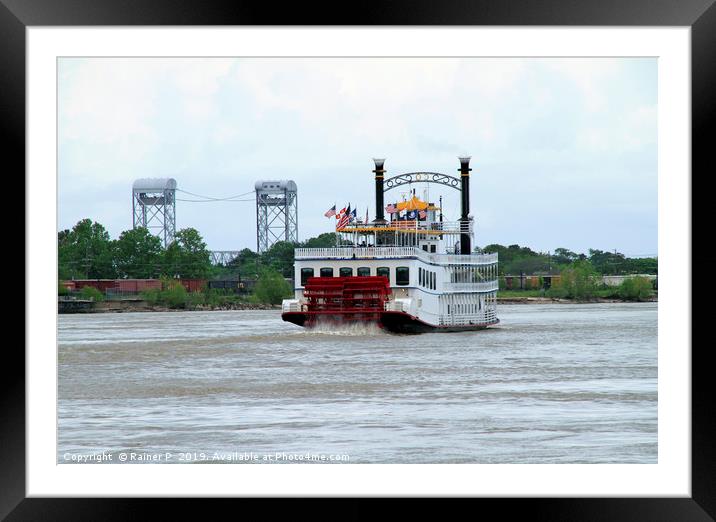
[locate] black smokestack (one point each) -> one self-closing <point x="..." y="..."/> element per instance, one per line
<point x="379" y="217"/>
<point x="465" y="247"/>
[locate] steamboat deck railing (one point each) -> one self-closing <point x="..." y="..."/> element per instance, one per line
<point x="481" y="286"/>
<point x="489" y="317"/>
<point x="393" y="252"/>
<point x="442" y="227"/>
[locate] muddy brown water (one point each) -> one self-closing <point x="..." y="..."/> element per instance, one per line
<point x="553" y="383"/>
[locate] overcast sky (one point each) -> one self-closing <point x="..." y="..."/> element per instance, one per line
<point x="564" y="151"/>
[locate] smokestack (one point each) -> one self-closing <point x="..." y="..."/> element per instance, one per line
<point x="379" y="217"/>
<point x="465" y="247"/>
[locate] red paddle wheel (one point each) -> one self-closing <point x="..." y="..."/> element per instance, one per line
<point x="343" y="299"/>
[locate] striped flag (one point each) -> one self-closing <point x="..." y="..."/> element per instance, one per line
<point x="345" y="218"/>
<point x="391" y="209"/>
<point x="331" y="212"/>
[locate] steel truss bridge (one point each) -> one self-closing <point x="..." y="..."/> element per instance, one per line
<point x="223" y="257"/>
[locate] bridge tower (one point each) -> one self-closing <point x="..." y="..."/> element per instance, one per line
<point x="154" y="207"/>
<point x="276" y="213"/>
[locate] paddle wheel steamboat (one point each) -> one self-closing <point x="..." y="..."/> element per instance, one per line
<point x="411" y="273"/>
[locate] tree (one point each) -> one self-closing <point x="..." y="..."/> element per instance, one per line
<point x="138" y="254"/>
<point x="515" y="259"/>
<point x="85" y="252"/>
<point x="187" y="256"/>
<point x="578" y="281"/>
<point x="612" y="263"/>
<point x="563" y="256"/>
<point x="280" y="257"/>
<point x="325" y="240"/>
<point x="245" y="262"/>
<point x="271" y="287"/>
<point x="636" y="289"/>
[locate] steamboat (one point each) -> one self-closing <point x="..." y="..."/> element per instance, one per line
<point x="411" y="273"/>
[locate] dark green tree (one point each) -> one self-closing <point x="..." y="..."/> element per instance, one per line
<point x="563" y="256"/>
<point x="613" y="263"/>
<point x="280" y="257"/>
<point x="187" y="256"/>
<point x="325" y="240"/>
<point x="138" y="254"/>
<point x="85" y="252"/>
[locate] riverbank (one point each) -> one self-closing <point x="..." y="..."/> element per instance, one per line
<point x="552" y="300"/>
<point x="139" y="305"/>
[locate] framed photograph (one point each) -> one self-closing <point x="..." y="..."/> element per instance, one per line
<point x="581" y="119"/>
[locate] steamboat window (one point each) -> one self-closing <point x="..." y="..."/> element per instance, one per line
<point x="305" y="274"/>
<point x="383" y="271"/>
<point x="420" y="276"/>
<point x="364" y="271"/>
<point x="345" y="271"/>
<point x="402" y="275"/>
<point x="432" y="249"/>
<point x="326" y="272"/>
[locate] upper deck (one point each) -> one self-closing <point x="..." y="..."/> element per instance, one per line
<point x="394" y="252"/>
<point x="435" y="228"/>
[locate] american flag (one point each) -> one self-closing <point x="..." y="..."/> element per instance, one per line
<point x="391" y="209"/>
<point x="345" y="218"/>
<point x="331" y="212"/>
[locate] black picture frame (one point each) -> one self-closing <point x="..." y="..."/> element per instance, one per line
<point x="700" y="15"/>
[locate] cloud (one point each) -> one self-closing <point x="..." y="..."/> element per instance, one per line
<point x="542" y="132"/>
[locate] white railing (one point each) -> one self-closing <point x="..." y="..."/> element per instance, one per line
<point x="290" y="305"/>
<point x="490" y="316"/>
<point x="393" y="306"/>
<point x="446" y="227"/>
<point x="353" y="252"/>
<point x="388" y="252"/>
<point x="456" y="259"/>
<point x="482" y="286"/>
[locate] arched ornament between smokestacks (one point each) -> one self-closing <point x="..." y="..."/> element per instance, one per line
<point x="421" y="177"/>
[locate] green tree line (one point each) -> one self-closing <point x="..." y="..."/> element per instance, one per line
<point x="580" y="280"/>
<point x="515" y="260"/>
<point x="87" y="252"/>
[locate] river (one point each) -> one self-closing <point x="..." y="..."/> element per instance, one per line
<point x="553" y="383"/>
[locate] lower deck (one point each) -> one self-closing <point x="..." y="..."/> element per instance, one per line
<point x="397" y="322"/>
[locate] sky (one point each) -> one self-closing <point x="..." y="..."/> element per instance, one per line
<point x="564" y="150"/>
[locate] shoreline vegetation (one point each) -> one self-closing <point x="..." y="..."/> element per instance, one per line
<point x="175" y="300"/>
<point x="142" y="304"/>
<point x="127" y="306"/>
